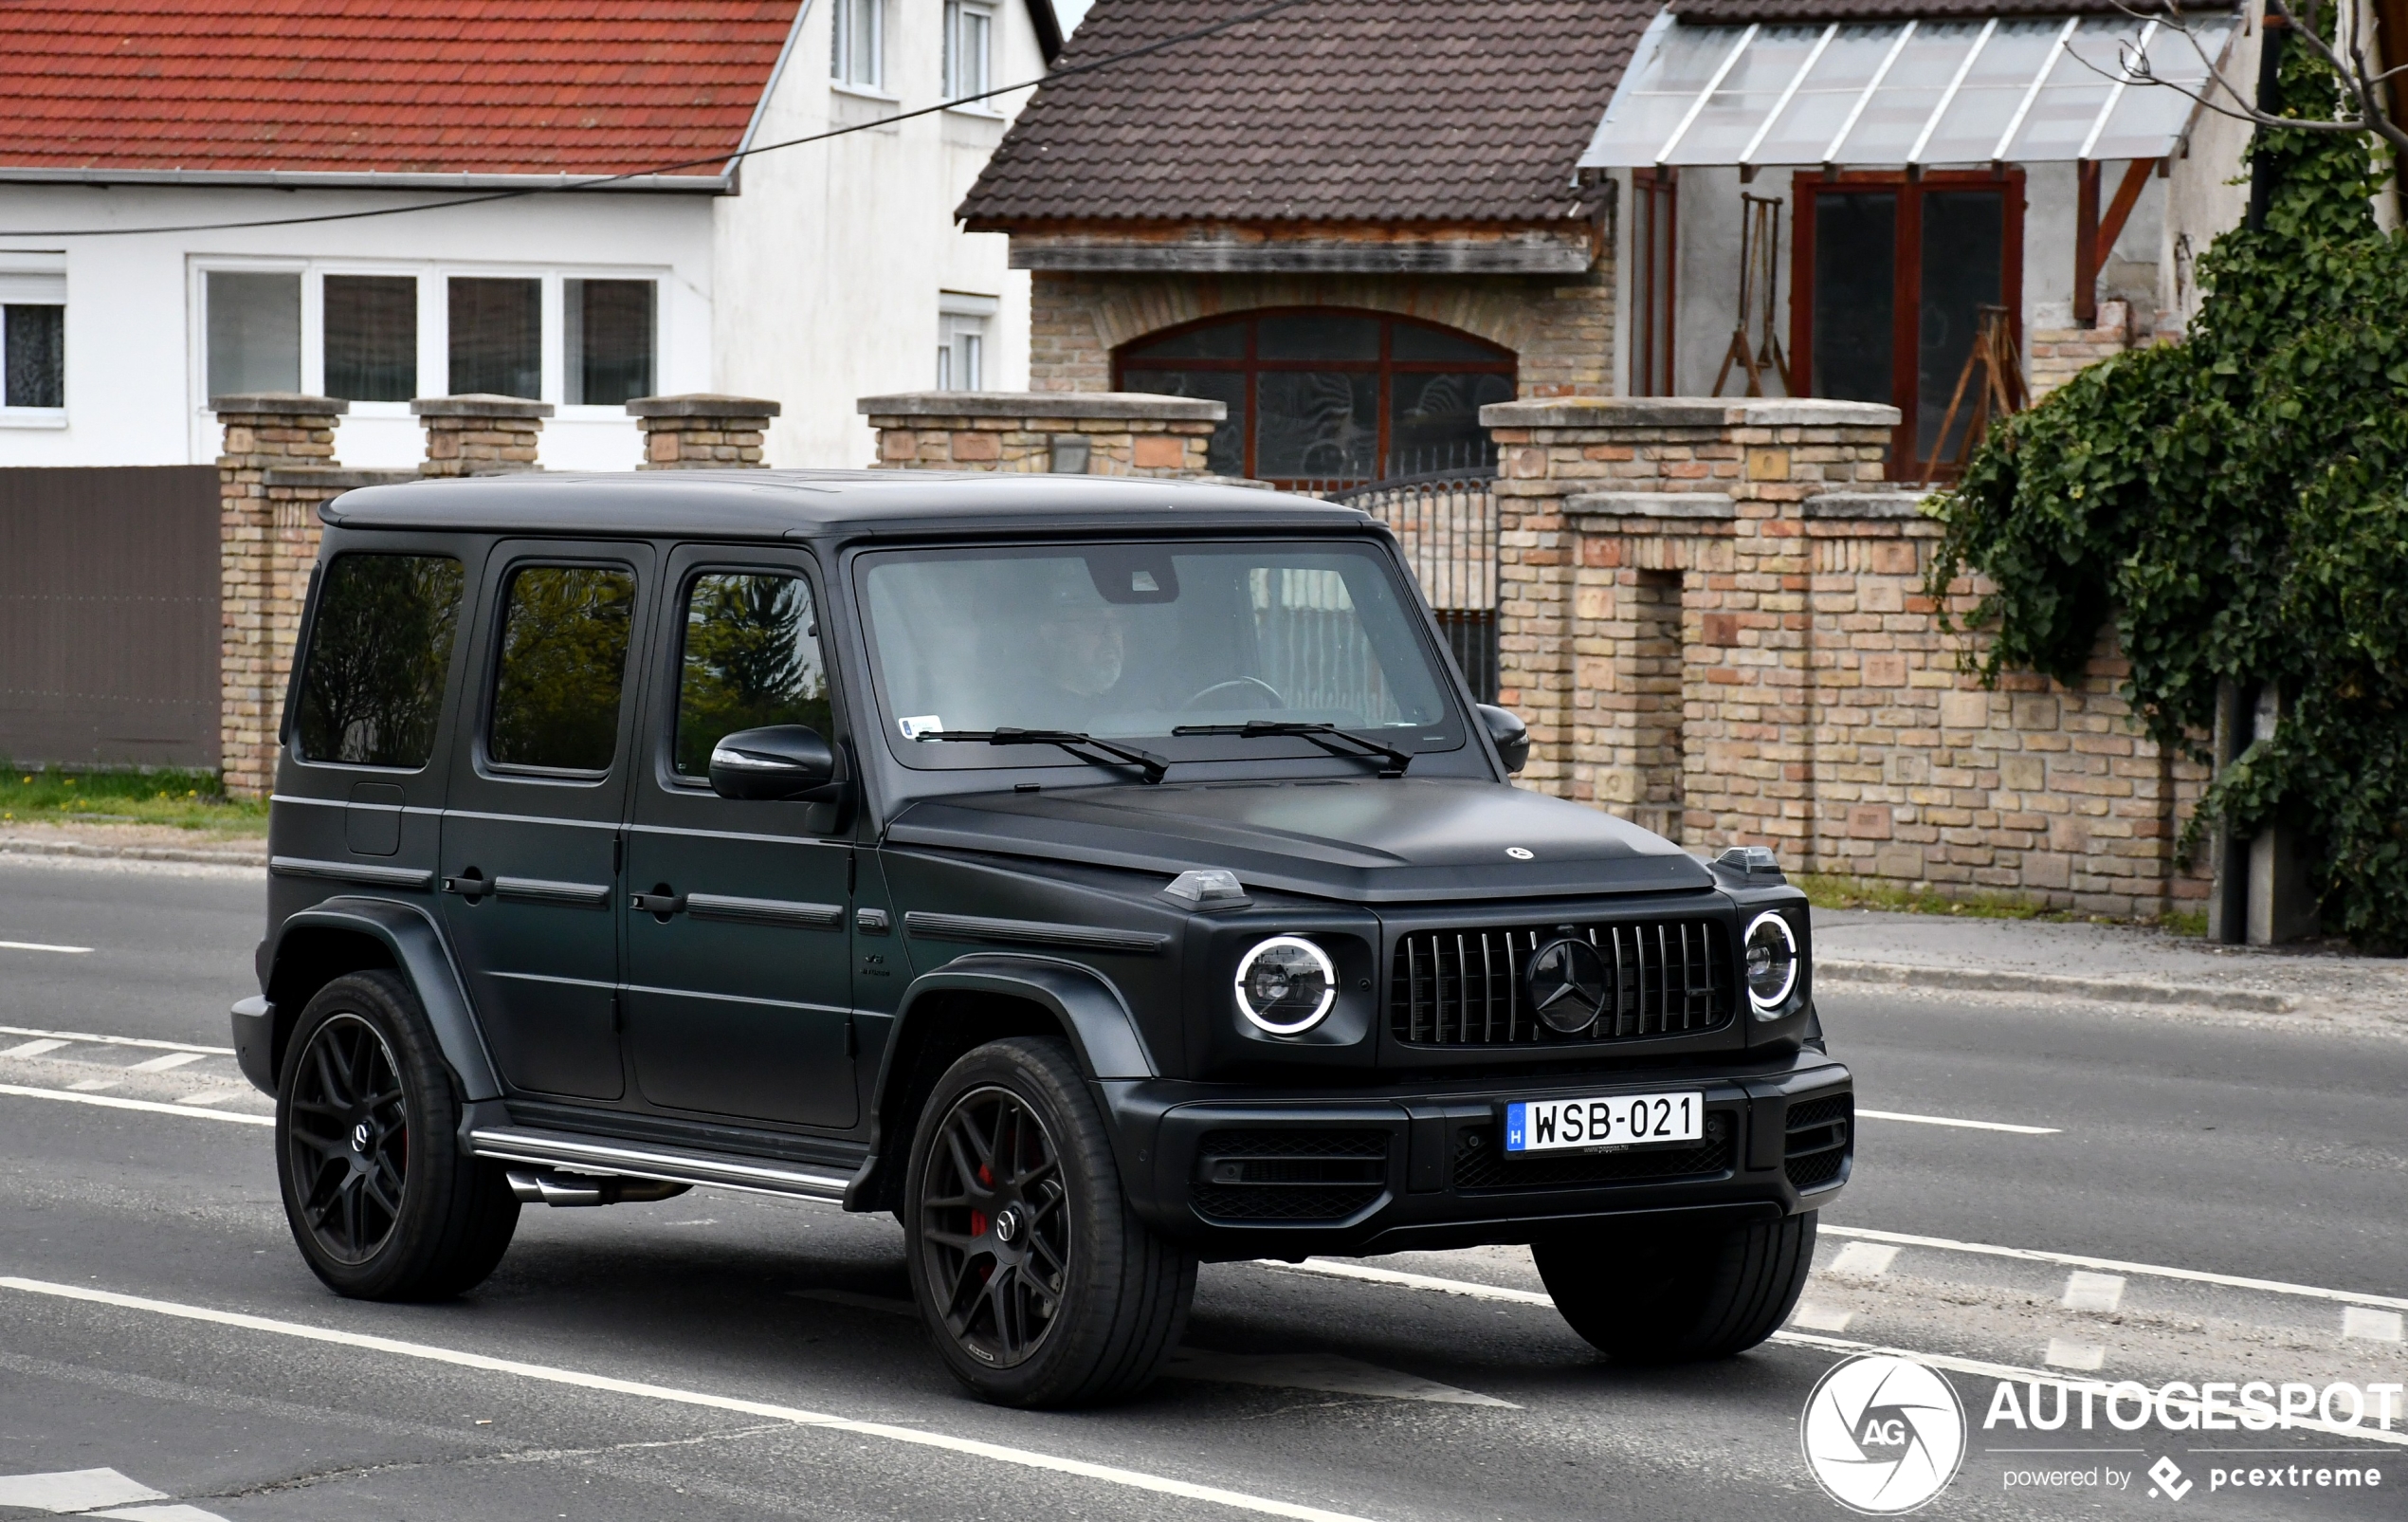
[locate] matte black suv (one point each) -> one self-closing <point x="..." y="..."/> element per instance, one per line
<point x="1100" y="875"/>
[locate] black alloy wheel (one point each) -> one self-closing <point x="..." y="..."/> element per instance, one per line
<point x="996" y="1227"/>
<point x="348" y="1141"/>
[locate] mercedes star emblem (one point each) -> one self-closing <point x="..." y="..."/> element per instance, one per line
<point x="1567" y="982"/>
<point x="1520" y="852"/>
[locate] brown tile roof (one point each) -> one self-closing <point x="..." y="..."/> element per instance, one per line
<point x="1334" y="110"/>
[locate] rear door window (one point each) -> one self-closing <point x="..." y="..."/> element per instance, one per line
<point x="563" y="666"/>
<point x="373" y="681"/>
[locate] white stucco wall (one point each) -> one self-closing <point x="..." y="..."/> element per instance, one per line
<point x="135" y="371"/>
<point x="834" y="258"/>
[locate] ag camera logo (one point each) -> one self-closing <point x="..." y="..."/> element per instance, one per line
<point x="1883" y="1434"/>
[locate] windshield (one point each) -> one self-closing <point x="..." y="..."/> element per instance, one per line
<point x="1135" y="641"/>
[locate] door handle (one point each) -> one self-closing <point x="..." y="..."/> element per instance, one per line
<point x="471" y="884"/>
<point x="661" y="902"/>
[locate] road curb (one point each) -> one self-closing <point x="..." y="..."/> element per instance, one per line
<point x="2115" y="990"/>
<point x="79" y="848"/>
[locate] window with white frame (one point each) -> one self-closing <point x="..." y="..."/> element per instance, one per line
<point x="385" y="335"/>
<point x="33" y="314"/>
<point x="857" y="44"/>
<point x="969" y="51"/>
<point x="961" y="341"/>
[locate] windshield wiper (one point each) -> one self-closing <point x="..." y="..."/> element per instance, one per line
<point x="1324" y="735"/>
<point x="1152" y="766"/>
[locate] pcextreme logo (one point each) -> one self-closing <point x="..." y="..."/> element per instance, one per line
<point x="1883" y="1434"/>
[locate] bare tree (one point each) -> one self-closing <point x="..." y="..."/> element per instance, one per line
<point x="2363" y="86"/>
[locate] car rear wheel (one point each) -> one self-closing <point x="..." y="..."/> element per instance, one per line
<point x="379" y="1199"/>
<point x="1650" y="1295"/>
<point x="1038" y="1283"/>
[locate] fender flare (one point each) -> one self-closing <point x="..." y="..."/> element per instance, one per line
<point x="423" y="957"/>
<point x="1103" y="1029"/>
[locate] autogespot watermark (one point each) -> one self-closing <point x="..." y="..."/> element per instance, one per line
<point x="1883" y="1433"/>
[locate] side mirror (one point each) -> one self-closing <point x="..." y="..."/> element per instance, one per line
<point x="783" y="761"/>
<point x="1507" y="733"/>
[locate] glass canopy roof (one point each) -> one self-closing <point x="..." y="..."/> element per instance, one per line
<point x="2021" y="90"/>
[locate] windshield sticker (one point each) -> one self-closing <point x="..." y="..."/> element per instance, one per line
<point x="925" y="724"/>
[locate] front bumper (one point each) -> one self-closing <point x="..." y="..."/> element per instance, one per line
<point x="1236" y="1173"/>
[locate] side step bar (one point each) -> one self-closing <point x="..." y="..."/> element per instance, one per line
<point x="636" y="1160"/>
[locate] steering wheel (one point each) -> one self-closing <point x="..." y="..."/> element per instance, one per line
<point x="1277" y="702"/>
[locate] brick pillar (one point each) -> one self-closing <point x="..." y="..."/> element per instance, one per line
<point x="1652" y="586"/>
<point x="480" y="435"/>
<point x="1104" y="433"/>
<point x="2062" y="349"/>
<point x="699" y="431"/>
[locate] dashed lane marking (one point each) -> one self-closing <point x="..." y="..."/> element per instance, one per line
<point x="169" y="1062"/>
<point x="1861" y="1260"/>
<point x="1964" y="1125"/>
<point x="36" y="946"/>
<point x="32" y="1049"/>
<point x="577" y="1379"/>
<point x="2064" y="1354"/>
<point x="2375" y="1326"/>
<point x="1821" y="1318"/>
<point x="2093" y="1291"/>
<point x="113" y="1102"/>
<point x="2110" y="1265"/>
<point x="121" y="1040"/>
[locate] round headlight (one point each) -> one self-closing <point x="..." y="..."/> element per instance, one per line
<point x="1771" y="963"/>
<point x="1285" y="985"/>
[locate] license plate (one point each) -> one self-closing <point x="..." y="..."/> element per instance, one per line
<point x="1591" y="1125"/>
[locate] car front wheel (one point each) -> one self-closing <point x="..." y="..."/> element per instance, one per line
<point x="1658" y="1295"/>
<point x="1038" y="1283"/>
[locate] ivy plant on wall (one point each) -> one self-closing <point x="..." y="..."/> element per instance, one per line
<point x="2237" y="504"/>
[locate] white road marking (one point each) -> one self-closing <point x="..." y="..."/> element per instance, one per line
<point x="2093" y="1291"/>
<point x="1023" y="1458"/>
<point x="2063" y="1354"/>
<point x="1967" y="1125"/>
<point x="1821" y="1318"/>
<point x="36" y="946"/>
<point x="167" y="1063"/>
<point x="210" y="1096"/>
<point x="1979" y="1367"/>
<point x="32" y="1049"/>
<point x="113" y="1102"/>
<point x="1861" y="1260"/>
<point x="74" y="1489"/>
<point x="93" y="1085"/>
<point x="172" y="1512"/>
<point x="2376" y="1325"/>
<point x="121" y="1040"/>
<point x="1319" y="1371"/>
<point x="2028" y="1255"/>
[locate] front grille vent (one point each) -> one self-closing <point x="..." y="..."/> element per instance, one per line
<point x="1481" y="1166"/>
<point x="1464" y="988"/>
<point x="1816" y="1145"/>
<point x="1289" y="1175"/>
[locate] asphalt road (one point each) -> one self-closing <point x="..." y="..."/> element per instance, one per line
<point x="721" y="1355"/>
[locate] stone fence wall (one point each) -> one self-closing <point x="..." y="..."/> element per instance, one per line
<point x="1104" y="433"/>
<point x="1712" y="617"/>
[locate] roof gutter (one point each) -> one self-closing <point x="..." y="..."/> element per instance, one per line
<point x="283" y="179"/>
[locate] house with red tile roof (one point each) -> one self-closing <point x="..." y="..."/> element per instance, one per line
<point x="1355" y="222"/>
<point x="577" y="203"/>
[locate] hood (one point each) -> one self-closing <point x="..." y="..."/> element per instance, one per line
<point x="1365" y="841"/>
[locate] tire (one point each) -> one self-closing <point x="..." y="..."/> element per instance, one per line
<point x="1645" y="1295"/>
<point x="1038" y="1284"/>
<point x="379" y="1198"/>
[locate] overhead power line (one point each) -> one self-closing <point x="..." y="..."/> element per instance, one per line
<point x="602" y="182"/>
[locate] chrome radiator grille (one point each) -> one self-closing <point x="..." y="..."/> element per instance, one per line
<point x="1464" y="988"/>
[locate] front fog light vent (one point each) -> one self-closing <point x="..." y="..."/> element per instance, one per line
<point x="1285" y="985"/>
<point x="1771" y="963"/>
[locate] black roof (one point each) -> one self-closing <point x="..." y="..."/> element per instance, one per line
<point x="760" y="504"/>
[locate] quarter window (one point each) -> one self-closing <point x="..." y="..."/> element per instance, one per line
<point x="371" y="336"/>
<point x="564" y="640"/>
<point x="750" y="658"/>
<point x="372" y="682"/>
<point x="496" y="337"/>
<point x="254" y="332"/>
